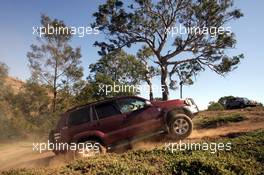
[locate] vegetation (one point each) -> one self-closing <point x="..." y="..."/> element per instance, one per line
<point x="25" y="112"/>
<point x="8" y="118"/>
<point x="218" y="120"/>
<point x="149" y="71"/>
<point x="178" y="56"/>
<point x="120" y="67"/>
<point x="245" y="157"/>
<point x="57" y="83"/>
<point x="215" y="106"/>
<point x="3" y="73"/>
<point x="52" y="88"/>
<point x="54" y="62"/>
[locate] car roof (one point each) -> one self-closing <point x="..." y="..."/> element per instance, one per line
<point x="108" y="99"/>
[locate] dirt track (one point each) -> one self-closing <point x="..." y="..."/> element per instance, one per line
<point x="21" y="155"/>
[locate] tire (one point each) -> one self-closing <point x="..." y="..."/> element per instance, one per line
<point x="89" y="148"/>
<point x="180" y="126"/>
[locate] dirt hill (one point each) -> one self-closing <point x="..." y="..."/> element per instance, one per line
<point x="14" y="83"/>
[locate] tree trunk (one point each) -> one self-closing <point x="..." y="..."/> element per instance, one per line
<point x="54" y="101"/>
<point x="150" y="89"/>
<point x="148" y="80"/>
<point x="164" y="86"/>
<point x="55" y="87"/>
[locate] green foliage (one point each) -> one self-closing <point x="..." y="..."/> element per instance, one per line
<point x="26" y="112"/>
<point x="215" y="106"/>
<point x="245" y="157"/>
<point x="53" y="61"/>
<point x="8" y="129"/>
<point x="3" y="74"/>
<point x="92" y="91"/>
<point x="34" y="102"/>
<point x="12" y="121"/>
<point x="117" y="68"/>
<point x="3" y="70"/>
<point x="149" y="72"/>
<point x="151" y="23"/>
<point x="120" y="67"/>
<point x="216" y="121"/>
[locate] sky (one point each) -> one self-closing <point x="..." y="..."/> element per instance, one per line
<point x="18" y="17"/>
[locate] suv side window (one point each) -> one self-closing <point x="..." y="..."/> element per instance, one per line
<point x="79" y="116"/>
<point x="130" y="104"/>
<point x="106" y="110"/>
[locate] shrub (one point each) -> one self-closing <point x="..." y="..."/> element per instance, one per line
<point x="216" y="121"/>
<point x="215" y="106"/>
<point x="245" y="157"/>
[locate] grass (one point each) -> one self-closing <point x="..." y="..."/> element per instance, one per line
<point x="245" y="157"/>
<point x="218" y="120"/>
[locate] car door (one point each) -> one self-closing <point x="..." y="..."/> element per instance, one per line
<point x="79" y="121"/>
<point x="139" y="118"/>
<point x="109" y="121"/>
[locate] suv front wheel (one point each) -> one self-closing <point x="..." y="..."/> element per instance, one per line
<point x="180" y="126"/>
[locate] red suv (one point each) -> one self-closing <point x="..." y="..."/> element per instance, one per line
<point x="119" y="121"/>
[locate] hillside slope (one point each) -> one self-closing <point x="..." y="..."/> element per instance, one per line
<point x="149" y="157"/>
<point x="14" y="83"/>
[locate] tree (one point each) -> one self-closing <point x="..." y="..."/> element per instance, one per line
<point x="153" y="23"/>
<point x="149" y="72"/>
<point x="121" y="67"/>
<point x="92" y="92"/>
<point x="33" y="101"/>
<point x="54" y="62"/>
<point x="101" y="86"/>
<point x="127" y="69"/>
<point x="116" y="69"/>
<point x="5" y="90"/>
<point x="3" y="73"/>
<point x="215" y="106"/>
<point x="11" y="121"/>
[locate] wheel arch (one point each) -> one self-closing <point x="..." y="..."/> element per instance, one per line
<point x="91" y="137"/>
<point x="177" y="110"/>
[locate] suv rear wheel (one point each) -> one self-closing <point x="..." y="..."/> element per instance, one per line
<point x="180" y="126"/>
<point x="89" y="148"/>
